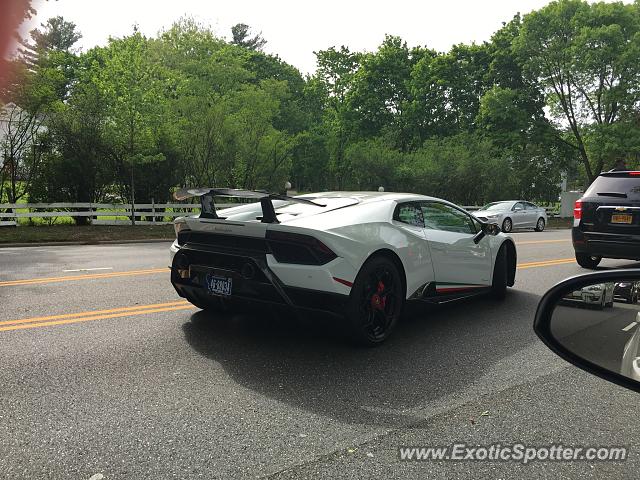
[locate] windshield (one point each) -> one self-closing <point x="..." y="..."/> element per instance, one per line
<point x="497" y="206"/>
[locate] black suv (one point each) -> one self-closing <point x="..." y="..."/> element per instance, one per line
<point x="607" y="219"/>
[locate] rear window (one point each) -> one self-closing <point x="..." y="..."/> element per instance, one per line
<point x="616" y="185"/>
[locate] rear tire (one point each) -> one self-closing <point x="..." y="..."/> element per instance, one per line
<point x="500" y="275"/>
<point x="540" y="225"/>
<point x="376" y="302"/>
<point x="587" y="261"/>
<point x="507" y="225"/>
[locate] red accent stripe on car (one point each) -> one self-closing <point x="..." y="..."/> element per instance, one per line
<point x="344" y="282"/>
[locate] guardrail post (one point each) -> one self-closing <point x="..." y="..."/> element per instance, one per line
<point x="153" y="210"/>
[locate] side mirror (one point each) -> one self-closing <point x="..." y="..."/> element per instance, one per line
<point x="486" y="229"/>
<point x="491" y="229"/>
<point x="593" y="322"/>
<point x="517" y="209"/>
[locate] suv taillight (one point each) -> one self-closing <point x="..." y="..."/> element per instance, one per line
<point x="577" y="210"/>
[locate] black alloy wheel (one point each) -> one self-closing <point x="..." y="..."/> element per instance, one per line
<point x="376" y="303"/>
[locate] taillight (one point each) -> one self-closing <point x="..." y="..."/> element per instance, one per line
<point x="577" y="210"/>
<point x="297" y="248"/>
<point x="634" y="174"/>
<point x="179" y="225"/>
<point x="182" y="232"/>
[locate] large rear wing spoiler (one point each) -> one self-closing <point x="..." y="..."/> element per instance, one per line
<point x="208" y="208"/>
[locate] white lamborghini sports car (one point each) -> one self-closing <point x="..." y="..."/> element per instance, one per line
<point x="356" y="255"/>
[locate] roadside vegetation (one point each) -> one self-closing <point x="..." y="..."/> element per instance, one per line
<point x="87" y="234"/>
<point x="552" y="94"/>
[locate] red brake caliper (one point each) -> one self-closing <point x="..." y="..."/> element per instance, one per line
<point x="378" y="301"/>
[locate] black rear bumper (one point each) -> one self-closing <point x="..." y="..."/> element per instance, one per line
<point x="255" y="286"/>
<point x="606" y="245"/>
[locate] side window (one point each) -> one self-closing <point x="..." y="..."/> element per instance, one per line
<point x="409" y="213"/>
<point x="438" y="216"/>
<point x="530" y="206"/>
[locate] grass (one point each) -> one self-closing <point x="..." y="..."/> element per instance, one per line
<point x="87" y="234"/>
<point x="556" y="222"/>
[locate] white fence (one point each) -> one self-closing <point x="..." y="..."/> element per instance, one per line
<point x="116" y="213"/>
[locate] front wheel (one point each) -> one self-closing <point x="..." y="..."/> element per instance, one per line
<point x="376" y="302"/>
<point x="587" y="261"/>
<point x="499" y="282"/>
<point x="540" y="225"/>
<point x="602" y="303"/>
<point x="507" y="225"/>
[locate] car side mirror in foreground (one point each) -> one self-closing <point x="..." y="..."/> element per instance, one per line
<point x="487" y="229"/>
<point x="593" y="322"/>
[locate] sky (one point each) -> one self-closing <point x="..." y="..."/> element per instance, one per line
<point x="295" y="29"/>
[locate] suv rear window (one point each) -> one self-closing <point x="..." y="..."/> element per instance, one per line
<point x="617" y="183"/>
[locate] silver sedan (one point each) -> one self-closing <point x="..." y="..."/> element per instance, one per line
<point x="512" y="214"/>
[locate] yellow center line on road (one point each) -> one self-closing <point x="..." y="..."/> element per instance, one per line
<point x="546" y="263"/>
<point x="64" y="319"/>
<point x="532" y="242"/>
<point x="92" y="276"/>
<point x="151" y="271"/>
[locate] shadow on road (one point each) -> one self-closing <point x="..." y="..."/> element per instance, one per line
<point x="435" y="351"/>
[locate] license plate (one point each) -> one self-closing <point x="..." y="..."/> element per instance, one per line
<point x="621" y="218"/>
<point x="218" y="285"/>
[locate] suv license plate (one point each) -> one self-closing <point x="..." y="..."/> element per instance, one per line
<point x="218" y="285"/>
<point x="621" y="218"/>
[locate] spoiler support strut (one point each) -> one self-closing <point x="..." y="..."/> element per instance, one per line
<point x="208" y="208"/>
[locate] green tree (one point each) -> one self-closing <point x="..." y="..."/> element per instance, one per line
<point x="381" y="92"/>
<point x="240" y="36"/>
<point x="132" y="86"/>
<point x="447" y="88"/>
<point x="585" y="57"/>
<point x="329" y="89"/>
<point x="55" y="34"/>
<point x="77" y="166"/>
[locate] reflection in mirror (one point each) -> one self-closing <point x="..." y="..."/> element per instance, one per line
<point x="600" y="322"/>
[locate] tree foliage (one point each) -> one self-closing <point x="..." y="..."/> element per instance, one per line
<point x="241" y="37"/>
<point x="552" y="93"/>
<point x="586" y="60"/>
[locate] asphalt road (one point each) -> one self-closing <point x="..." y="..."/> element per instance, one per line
<point x="599" y="335"/>
<point x="109" y="372"/>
